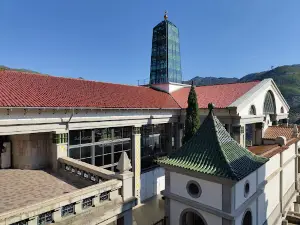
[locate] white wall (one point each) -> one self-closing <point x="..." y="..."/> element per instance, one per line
<point x="258" y="101"/>
<point x="176" y="209"/>
<point x="289" y="153"/>
<point x="152" y="183"/>
<point x="252" y="208"/>
<point x="268" y="168"/>
<point x="211" y="192"/>
<point x="240" y="191"/>
<point x="288" y="176"/>
<point x="269" y="199"/>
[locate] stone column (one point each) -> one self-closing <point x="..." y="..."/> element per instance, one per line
<point x="178" y="135"/>
<point x="59" y="147"/>
<point x="126" y="219"/>
<point x="126" y="176"/>
<point x="258" y="133"/>
<point x="167" y="201"/>
<point x="169" y="133"/>
<point x="239" y="134"/>
<point x="136" y="151"/>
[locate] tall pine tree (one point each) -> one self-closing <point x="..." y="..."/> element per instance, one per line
<point x="192" y="121"/>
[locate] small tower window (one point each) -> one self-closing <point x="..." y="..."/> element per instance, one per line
<point x="246" y="189"/>
<point x="194" y="189"/>
<point x="282" y="109"/>
<point x="252" y="110"/>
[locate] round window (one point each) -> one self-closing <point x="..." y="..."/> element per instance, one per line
<point x="194" y="189"/>
<point x="246" y="189"/>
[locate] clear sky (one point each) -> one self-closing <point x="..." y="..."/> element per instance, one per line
<point x="111" y="40"/>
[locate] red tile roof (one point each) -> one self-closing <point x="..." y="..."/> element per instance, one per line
<point x="19" y="89"/>
<point x="273" y="132"/>
<point x="221" y="95"/>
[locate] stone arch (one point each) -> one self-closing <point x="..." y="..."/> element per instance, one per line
<point x="247" y="218"/>
<point x="252" y="110"/>
<point x="269" y="103"/>
<point x="191" y="217"/>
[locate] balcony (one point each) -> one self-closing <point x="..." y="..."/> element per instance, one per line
<point x="75" y="190"/>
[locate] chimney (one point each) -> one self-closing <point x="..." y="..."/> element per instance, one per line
<point x="295" y="131"/>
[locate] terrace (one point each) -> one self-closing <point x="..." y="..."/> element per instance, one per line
<point x="73" y="192"/>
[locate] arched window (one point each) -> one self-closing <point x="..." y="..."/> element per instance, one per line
<point x="269" y="104"/>
<point x="252" y="110"/>
<point x="282" y="109"/>
<point x="191" y="217"/>
<point x="247" y="220"/>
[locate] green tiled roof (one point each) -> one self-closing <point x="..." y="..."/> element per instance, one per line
<point x="213" y="151"/>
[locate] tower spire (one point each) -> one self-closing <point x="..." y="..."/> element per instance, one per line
<point x="166" y="15"/>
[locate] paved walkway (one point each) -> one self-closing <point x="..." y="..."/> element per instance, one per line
<point x="148" y="212"/>
<point x="24" y="187"/>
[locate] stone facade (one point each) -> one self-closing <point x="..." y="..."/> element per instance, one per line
<point x="31" y="151"/>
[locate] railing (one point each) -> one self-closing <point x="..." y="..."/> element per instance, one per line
<point x="85" y="171"/>
<point x="104" y="186"/>
<point x="57" y="208"/>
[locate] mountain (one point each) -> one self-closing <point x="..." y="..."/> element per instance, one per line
<point x="201" y="81"/>
<point x="22" y="70"/>
<point x="286" y="77"/>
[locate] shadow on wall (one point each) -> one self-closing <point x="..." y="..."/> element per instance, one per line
<point x="258" y="210"/>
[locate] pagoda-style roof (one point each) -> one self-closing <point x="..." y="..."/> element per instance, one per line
<point x="214" y="152"/>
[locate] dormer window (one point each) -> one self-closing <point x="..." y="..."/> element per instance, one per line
<point x="281" y="109"/>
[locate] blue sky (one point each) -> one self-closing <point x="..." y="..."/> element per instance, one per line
<point x="111" y="40"/>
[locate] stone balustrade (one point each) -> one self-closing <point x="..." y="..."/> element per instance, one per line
<point x="85" y="171"/>
<point x="104" y="187"/>
<point x="56" y="209"/>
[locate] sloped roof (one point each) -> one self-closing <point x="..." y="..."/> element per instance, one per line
<point x="213" y="151"/>
<point x="222" y="95"/>
<point x="275" y="131"/>
<point x="20" y="89"/>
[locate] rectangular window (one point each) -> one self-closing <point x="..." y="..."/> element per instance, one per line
<point x="74" y="137"/>
<point x="98" y="150"/>
<point x="104" y="196"/>
<point x="86" y="152"/>
<point x="87" y="202"/>
<point x="118" y="133"/>
<point x="127" y="132"/>
<point x="23" y="222"/>
<point x="86" y="136"/>
<point x="74" y="153"/>
<point x="98" y="147"/>
<point x="153" y="144"/>
<point x="45" y="218"/>
<point x="67" y="210"/>
<point x="102" y="134"/>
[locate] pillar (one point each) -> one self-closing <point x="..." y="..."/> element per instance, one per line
<point x="126" y="219"/>
<point x="178" y="135"/>
<point x="169" y="133"/>
<point x="59" y="148"/>
<point x="258" y="133"/>
<point x="239" y="134"/>
<point x="136" y="150"/>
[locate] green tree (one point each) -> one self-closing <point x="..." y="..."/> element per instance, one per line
<point x="192" y="121"/>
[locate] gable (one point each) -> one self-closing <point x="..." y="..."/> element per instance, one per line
<point x="221" y="95"/>
<point x="256" y="97"/>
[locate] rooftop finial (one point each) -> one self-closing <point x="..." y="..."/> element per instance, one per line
<point x="166" y="15"/>
<point x="211" y="106"/>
